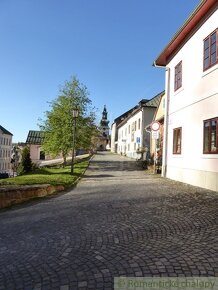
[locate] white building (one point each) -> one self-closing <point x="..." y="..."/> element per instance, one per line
<point x="191" y="127"/>
<point x="5" y="150"/>
<point x="128" y="130"/>
<point x="114" y="131"/>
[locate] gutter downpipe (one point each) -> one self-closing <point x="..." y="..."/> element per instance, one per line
<point x="166" y="119"/>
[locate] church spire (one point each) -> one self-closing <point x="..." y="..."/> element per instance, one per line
<point x="104" y="113"/>
<point x="104" y="123"/>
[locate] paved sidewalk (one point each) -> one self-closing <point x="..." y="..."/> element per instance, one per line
<point x="59" y="161"/>
<point x="117" y="222"/>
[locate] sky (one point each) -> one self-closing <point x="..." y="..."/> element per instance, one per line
<point x="109" y="45"/>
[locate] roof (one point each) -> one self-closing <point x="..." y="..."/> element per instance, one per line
<point x="123" y="116"/>
<point x="155" y="101"/>
<point x="35" y="137"/>
<point x="152" y="103"/>
<point x="4" y="131"/>
<point x="195" y="19"/>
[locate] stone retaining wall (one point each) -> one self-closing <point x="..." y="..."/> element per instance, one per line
<point x="10" y="195"/>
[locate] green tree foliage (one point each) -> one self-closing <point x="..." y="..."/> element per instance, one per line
<point x="26" y="162"/>
<point x="59" y="121"/>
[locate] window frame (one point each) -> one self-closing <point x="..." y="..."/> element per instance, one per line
<point x="177" y="74"/>
<point x="175" y="148"/>
<point x="209" y="37"/>
<point x="139" y="124"/>
<point x="133" y="132"/>
<point x="209" y="141"/>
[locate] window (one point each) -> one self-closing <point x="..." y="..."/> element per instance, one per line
<point x="210" y="50"/>
<point x="139" y="124"/>
<point x="129" y="129"/>
<point x="211" y="136"/>
<point x="177" y="140"/>
<point x="133" y="126"/>
<point x="42" y="155"/>
<point x="178" y="76"/>
<point x="132" y="133"/>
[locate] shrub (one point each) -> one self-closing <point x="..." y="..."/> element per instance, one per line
<point x="26" y="162"/>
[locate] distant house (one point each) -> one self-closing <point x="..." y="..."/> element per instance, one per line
<point x="5" y="150"/>
<point x="157" y="144"/>
<point x="191" y="115"/>
<point x="128" y="131"/>
<point x="34" y="141"/>
<point x="114" y="131"/>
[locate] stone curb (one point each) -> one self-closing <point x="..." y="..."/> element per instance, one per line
<point x="11" y="195"/>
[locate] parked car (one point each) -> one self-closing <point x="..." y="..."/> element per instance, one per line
<point x="4" y="175"/>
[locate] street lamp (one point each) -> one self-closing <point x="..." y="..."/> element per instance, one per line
<point x="75" y="113"/>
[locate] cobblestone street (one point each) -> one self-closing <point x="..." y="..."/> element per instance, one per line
<point x="118" y="221"/>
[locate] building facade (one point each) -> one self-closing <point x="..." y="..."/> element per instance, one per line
<point x="114" y="129"/>
<point x="5" y="150"/>
<point x="129" y="135"/>
<point x="191" y="127"/>
<point x="157" y="143"/>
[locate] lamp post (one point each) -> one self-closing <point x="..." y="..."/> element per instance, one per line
<point x="75" y="113"/>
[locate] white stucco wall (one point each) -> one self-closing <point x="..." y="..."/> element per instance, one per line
<point x="113" y="137"/>
<point x="125" y="144"/>
<point x="194" y="102"/>
<point x="129" y="146"/>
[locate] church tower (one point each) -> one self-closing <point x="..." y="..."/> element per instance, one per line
<point x="104" y="128"/>
<point x="103" y="139"/>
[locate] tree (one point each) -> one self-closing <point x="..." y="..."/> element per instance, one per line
<point x="26" y="162"/>
<point x="58" y="124"/>
<point x="15" y="157"/>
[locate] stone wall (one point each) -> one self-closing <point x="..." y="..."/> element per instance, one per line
<point x="10" y="195"/>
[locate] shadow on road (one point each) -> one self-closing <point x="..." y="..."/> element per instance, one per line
<point x="114" y="166"/>
<point x="97" y="176"/>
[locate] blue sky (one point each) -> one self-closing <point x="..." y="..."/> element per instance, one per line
<point x="109" y="45"/>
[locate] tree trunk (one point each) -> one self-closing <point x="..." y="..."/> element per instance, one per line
<point x="65" y="160"/>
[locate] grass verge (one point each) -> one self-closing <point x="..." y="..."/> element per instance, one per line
<point x="53" y="176"/>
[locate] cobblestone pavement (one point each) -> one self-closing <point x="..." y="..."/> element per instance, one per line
<point x="116" y="222"/>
